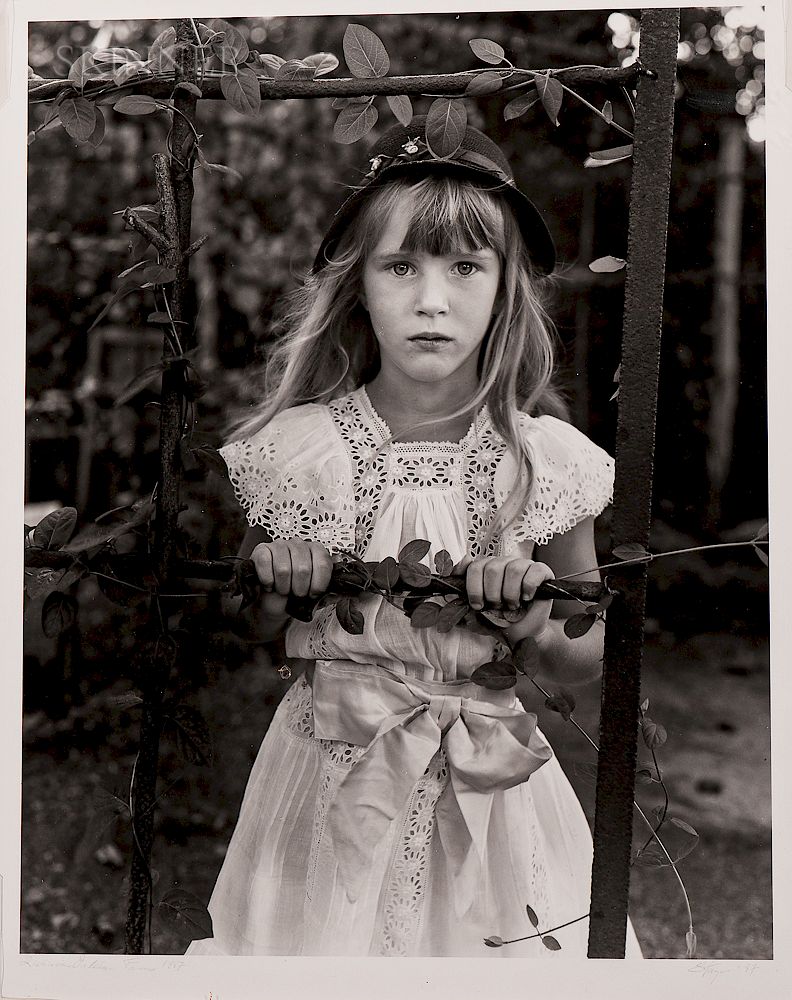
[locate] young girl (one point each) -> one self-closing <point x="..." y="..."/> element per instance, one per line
<point x="395" y="807"/>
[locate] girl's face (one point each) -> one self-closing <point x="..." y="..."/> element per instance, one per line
<point x="429" y="313"/>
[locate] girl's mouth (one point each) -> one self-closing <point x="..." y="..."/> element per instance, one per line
<point x="429" y="338"/>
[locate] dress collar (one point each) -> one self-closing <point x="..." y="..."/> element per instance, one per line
<point x="385" y="434"/>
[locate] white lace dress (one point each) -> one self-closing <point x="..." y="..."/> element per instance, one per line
<point x="396" y="808"/>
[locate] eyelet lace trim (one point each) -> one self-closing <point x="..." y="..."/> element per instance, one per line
<point x="405" y="892"/>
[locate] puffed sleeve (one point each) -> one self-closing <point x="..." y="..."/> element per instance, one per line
<point x="294" y="478"/>
<point x="572" y="479"/>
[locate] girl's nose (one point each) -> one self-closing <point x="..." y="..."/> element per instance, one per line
<point x="431" y="296"/>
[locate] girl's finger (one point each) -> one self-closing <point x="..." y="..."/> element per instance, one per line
<point x="322" y="569"/>
<point x="262" y="560"/>
<point x="537" y="573"/>
<point x="493" y="581"/>
<point x="281" y="567"/>
<point x="474" y="584"/>
<point x="513" y="582"/>
<point x="301" y="568"/>
<point x="462" y="565"/>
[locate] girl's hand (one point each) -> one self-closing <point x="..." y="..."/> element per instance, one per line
<point x="293" y="567"/>
<point x="510" y="583"/>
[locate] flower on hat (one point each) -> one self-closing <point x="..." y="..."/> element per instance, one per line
<point x="411" y="146"/>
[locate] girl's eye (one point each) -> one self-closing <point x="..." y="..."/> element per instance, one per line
<point x="465" y="268"/>
<point x="401" y="269"/>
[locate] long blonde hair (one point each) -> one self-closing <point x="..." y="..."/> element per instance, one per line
<point x="327" y="347"/>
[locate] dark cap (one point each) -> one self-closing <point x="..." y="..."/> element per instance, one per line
<point x="403" y="152"/>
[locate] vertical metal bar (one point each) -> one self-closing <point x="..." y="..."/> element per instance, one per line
<point x="155" y="678"/>
<point x="643" y="312"/>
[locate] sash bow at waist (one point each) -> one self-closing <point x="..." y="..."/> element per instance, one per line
<point x="402" y="722"/>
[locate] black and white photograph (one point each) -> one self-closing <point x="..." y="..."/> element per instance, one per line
<point x="397" y="394"/>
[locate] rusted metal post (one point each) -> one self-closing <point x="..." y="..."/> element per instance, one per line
<point x="175" y="213"/>
<point x="643" y="313"/>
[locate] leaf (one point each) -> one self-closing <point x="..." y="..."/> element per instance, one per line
<point x="602" y="157"/>
<point x="116" y="56"/>
<point x="97" y="535"/>
<point x="58" y="613"/>
<point x="186" y="914"/>
<point x="386" y="575"/>
<point x="603" y="604"/>
<point x="211" y="460"/>
<point x="219" y="168"/>
<point x="532" y="916"/>
<point x="763" y="534"/>
<point x="682" y="825"/>
<point x="425" y="615"/>
<point x="271" y="62"/>
<point x="690" y="942"/>
<point x="415" y="550"/>
<point x="136" y="104"/>
<point x="156" y="274"/>
<point x="607" y="112"/>
<point x="484" y="83"/>
<point x="494" y="941"/>
<point x="161" y="57"/>
<point x="123" y="702"/>
<point x="487" y="51"/>
<point x="645" y="705"/>
<point x="446" y="122"/>
<point x="295" y="69"/>
<point x="322" y="63"/>
<point x="654" y="735"/>
<point x="242" y="90"/>
<point x="192" y="734"/>
<point x="415" y="574"/>
<point x="191" y="88"/>
<point x="39" y="582"/>
<point x="550" y="943"/>
<point x="644" y="775"/>
<point x="95" y="138"/>
<point x="577" y="625"/>
<point x="231" y="48"/>
<point x="444" y="564"/>
<point x="563" y="702"/>
<point x="631" y="551"/>
<point x="83" y="70"/>
<point x="606" y="265"/>
<point x="452" y="614"/>
<point x="521" y="104"/>
<point x="364" y="52"/>
<point x="762" y="555"/>
<point x="130" y="71"/>
<point x="526" y="656"/>
<point x="551" y="94"/>
<point x="78" y="116"/>
<point x="55" y="530"/>
<point x="140" y="381"/>
<point x="354" y="121"/>
<point x="497" y="675"/>
<point x="349" y="618"/>
<point x="401" y="106"/>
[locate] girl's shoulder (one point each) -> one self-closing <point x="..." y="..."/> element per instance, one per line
<point x="293" y="477"/>
<point x="571" y="478"/>
<point x="553" y="439"/>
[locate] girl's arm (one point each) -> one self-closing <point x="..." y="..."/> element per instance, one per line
<point x="509" y="580"/>
<point x="565" y="660"/>
<point x="284" y="567"/>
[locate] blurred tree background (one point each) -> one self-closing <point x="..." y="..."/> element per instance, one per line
<point x="264" y="227"/>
